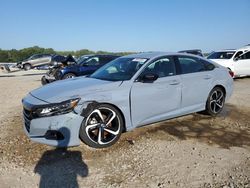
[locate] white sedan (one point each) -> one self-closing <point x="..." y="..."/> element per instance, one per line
<point x="238" y="61"/>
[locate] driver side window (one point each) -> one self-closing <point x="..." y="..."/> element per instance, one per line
<point x="237" y="55"/>
<point x="162" y="67"/>
<point x="245" y="56"/>
<point x="94" y="61"/>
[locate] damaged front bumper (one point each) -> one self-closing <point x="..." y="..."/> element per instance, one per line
<point x="59" y="130"/>
<point x="46" y="79"/>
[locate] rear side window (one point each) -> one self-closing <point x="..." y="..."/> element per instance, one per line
<point x="38" y="56"/>
<point x="93" y="61"/>
<point x="35" y="56"/>
<point x="191" y="65"/>
<point x="44" y="55"/>
<point x="238" y="54"/>
<point x="209" y="66"/>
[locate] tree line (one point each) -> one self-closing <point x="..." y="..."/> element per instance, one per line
<point x="14" y="55"/>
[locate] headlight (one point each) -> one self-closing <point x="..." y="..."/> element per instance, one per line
<point x="56" y="109"/>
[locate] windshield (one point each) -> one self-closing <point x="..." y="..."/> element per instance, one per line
<point x="32" y="57"/>
<point x="119" y="69"/>
<point x="82" y="59"/>
<point x="221" y="55"/>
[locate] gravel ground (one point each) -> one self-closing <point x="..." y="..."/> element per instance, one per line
<point x="191" y="151"/>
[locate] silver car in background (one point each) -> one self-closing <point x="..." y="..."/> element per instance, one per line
<point x="36" y="60"/>
<point x="128" y="92"/>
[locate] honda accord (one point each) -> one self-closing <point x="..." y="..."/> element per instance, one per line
<point x="126" y="93"/>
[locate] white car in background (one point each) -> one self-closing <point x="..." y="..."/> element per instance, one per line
<point x="238" y="61"/>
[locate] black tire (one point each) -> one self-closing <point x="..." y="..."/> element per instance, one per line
<point x="215" y="101"/>
<point x="44" y="81"/>
<point x="68" y="75"/>
<point x="98" y="132"/>
<point x="27" y="66"/>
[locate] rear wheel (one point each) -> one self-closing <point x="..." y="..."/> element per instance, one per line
<point x="69" y="75"/>
<point x="27" y="66"/>
<point x="102" y="127"/>
<point x="215" y="101"/>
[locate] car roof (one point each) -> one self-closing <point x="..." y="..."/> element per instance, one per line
<point x="245" y="48"/>
<point x="105" y="55"/>
<point x="153" y="55"/>
<point x="192" y="50"/>
<point x="228" y="50"/>
<point x="100" y="55"/>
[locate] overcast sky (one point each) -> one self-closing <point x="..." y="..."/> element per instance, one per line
<point x="125" y="25"/>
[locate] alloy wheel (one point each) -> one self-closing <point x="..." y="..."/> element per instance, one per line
<point x="216" y="101"/>
<point x="70" y="76"/>
<point x="102" y="126"/>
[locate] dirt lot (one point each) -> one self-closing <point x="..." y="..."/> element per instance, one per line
<point x="191" y="151"/>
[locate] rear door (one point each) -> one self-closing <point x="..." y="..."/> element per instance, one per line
<point x="242" y="65"/>
<point x="42" y="59"/>
<point x="34" y="60"/>
<point x="151" y="102"/>
<point x="196" y="82"/>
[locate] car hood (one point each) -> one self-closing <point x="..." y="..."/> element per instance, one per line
<point x="72" y="88"/>
<point x="223" y="62"/>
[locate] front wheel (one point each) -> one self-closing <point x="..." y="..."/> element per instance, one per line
<point x="215" y="101"/>
<point x="69" y="75"/>
<point x="44" y="81"/>
<point x="102" y="127"/>
<point x="27" y="66"/>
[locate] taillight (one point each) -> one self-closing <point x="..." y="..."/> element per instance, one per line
<point x="231" y="73"/>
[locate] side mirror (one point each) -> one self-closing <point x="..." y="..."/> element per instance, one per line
<point x="149" y="77"/>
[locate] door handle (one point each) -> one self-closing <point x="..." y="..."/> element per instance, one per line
<point x="207" y="77"/>
<point x="174" y="82"/>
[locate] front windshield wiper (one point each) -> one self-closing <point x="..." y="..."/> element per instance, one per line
<point x="105" y="79"/>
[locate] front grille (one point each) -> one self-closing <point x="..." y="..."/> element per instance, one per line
<point x="27" y="118"/>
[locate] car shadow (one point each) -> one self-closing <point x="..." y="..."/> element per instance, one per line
<point x="6" y="76"/>
<point x="35" y="74"/>
<point x="240" y="78"/>
<point x="60" y="167"/>
<point x="224" y="131"/>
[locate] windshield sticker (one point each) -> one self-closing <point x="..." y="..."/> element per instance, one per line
<point x="140" y="60"/>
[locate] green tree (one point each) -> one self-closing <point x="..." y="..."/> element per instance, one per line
<point x="14" y="55"/>
<point x="3" y="56"/>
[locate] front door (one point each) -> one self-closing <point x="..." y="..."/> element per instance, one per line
<point x="242" y="65"/>
<point x="151" y="102"/>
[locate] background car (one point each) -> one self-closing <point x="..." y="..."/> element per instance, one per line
<point x="85" y="65"/>
<point x="57" y="58"/>
<point x="194" y="52"/>
<point x="237" y="61"/>
<point x="35" y="61"/>
<point x="129" y="92"/>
